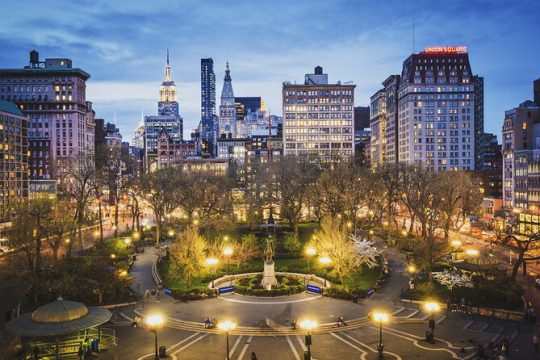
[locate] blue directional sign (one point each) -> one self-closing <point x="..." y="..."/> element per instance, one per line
<point x="226" y="290"/>
<point x="314" y="289"/>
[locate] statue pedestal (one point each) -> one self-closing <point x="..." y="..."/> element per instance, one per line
<point x="269" y="275"/>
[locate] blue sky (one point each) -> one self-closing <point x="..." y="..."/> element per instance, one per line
<point x="122" y="44"/>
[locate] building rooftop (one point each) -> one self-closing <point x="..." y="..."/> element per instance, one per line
<point x="48" y="71"/>
<point x="9" y="107"/>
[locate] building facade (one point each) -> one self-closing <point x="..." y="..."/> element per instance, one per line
<point x="168" y="119"/>
<point x="391" y="90"/>
<point x="521" y="155"/>
<point x="436" y="110"/>
<point x="13" y="158"/>
<point x="52" y="94"/>
<point x="208" y="107"/>
<point x="318" y="117"/>
<point x="227" y="109"/>
<point x="172" y="152"/>
<point x="377" y="125"/>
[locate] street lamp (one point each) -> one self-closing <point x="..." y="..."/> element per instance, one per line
<point x="456" y="244"/>
<point x="472" y="253"/>
<point x="380" y="318"/>
<point x="211" y="262"/>
<point x="431" y="307"/>
<point x="308" y="325"/>
<point x="227" y="326"/>
<point x="228" y="251"/>
<point x="155" y="322"/>
<point x="310" y="251"/>
<point x="325" y="260"/>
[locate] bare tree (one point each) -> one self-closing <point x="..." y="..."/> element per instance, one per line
<point x="158" y="191"/>
<point x="78" y="181"/>
<point x="292" y="177"/>
<point x="29" y="227"/>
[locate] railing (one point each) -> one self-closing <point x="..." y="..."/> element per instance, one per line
<point x="155" y="273"/>
<point x="70" y="345"/>
<point x="473" y="310"/>
<point x="230" y="278"/>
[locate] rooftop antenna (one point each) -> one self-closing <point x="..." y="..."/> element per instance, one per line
<point x="413" y="36"/>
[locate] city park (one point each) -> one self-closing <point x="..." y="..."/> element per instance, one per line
<point x="292" y="248"/>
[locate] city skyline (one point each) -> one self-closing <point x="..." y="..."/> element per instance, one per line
<point x="123" y="47"/>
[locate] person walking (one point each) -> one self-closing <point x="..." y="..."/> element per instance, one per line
<point x="253" y="355"/>
<point x="535" y="343"/>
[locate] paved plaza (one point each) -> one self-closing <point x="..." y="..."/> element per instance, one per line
<point x="264" y="326"/>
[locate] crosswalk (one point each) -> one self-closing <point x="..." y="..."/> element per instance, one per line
<point x="355" y="342"/>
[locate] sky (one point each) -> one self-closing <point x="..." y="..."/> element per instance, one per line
<point x="123" y="43"/>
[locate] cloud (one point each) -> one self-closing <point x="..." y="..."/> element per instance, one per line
<point x="122" y="45"/>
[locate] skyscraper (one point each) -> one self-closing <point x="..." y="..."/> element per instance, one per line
<point x="318" y="117"/>
<point x="208" y="107"/>
<point x="227" y="109"/>
<point x="52" y="94"/>
<point x="437" y="109"/>
<point x="168" y="119"/>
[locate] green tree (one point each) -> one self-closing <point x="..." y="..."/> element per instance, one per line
<point x="188" y="252"/>
<point x="291" y="244"/>
<point x="246" y="249"/>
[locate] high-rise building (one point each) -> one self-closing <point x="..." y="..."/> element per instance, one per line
<point x="168" y="119"/>
<point x="52" y="94"/>
<point x="227" y="109"/>
<point x="361" y="117"/>
<point x="391" y="90"/>
<point x="208" y="107"/>
<point x="318" y="117"/>
<point x="377" y="144"/>
<point x="246" y="104"/>
<point x="521" y="156"/>
<point x="437" y="108"/>
<point x="13" y="158"/>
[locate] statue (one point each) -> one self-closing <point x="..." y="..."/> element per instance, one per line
<point x="269" y="274"/>
<point x="269" y="249"/>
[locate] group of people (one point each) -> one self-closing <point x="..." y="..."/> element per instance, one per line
<point x="209" y="323"/>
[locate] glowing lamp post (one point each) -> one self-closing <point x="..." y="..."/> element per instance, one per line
<point x="227" y="326"/>
<point x="456" y="244"/>
<point x="308" y="325"/>
<point x="380" y="318"/>
<point x="310" y="252"/>
<point x="431" y="307"/>
<point x="228" y="251"/>
<point x="155" y="322"/>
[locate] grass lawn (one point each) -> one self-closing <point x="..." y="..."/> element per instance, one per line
<point x="174" y="280"/>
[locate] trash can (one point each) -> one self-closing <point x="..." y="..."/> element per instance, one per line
<point x="162" y="352"/>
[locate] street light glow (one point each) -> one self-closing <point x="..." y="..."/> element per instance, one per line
<point x="456" y="243"/>
<point x="380" y="317"/>
<point x="127" y="241"/>
<point x="432" y="307"/>
<point x="310" y="251"/>
<point x="325" y="260"/>
<point x="227" y="251"/>
<point x="308" y="324"/>
<point x="170" y="232"/>
<point x="226" y="325"/>
<point x="211" y="261"/>
<point x="155" y="320"/>
<point x="472" y="252"/>
<point x="411" y="268"/>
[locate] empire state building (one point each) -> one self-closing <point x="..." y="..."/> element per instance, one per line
<point x="168" y="104"/>
<point x="167" y="121"/>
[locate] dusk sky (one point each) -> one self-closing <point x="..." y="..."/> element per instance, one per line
<point x="123" y="43"/>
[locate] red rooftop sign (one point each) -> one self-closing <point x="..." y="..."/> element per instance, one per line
<point x="446" y="50"/>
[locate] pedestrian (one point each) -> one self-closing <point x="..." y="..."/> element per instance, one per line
<point x="253" y="355"/>
<point x="504" y="347"/>
<point x="535" y="343"/>
<point x="146" y="295"/>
